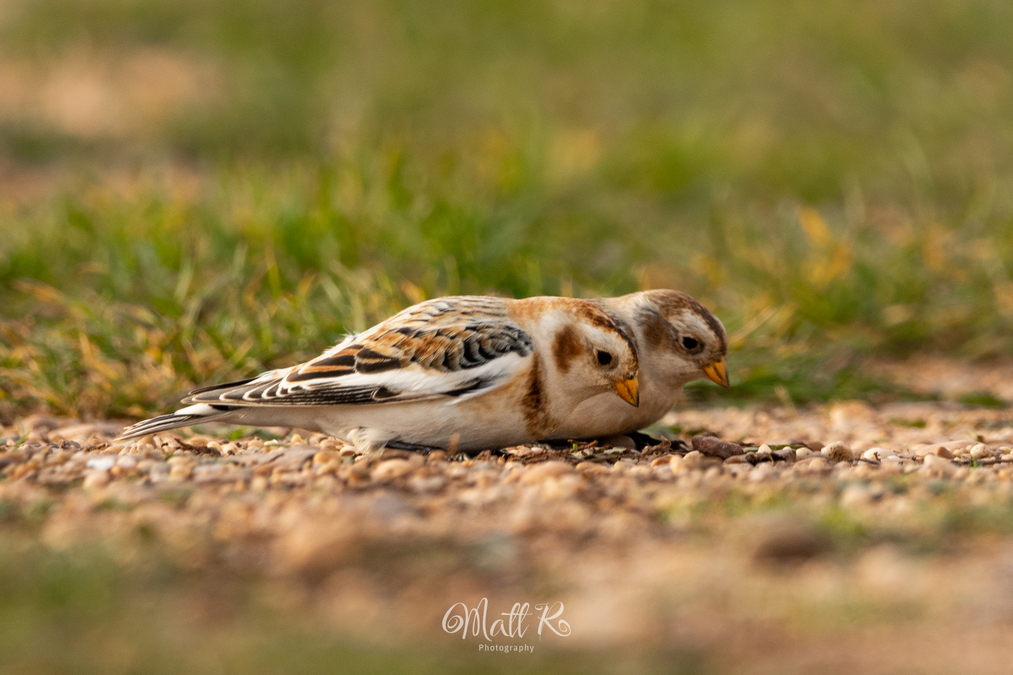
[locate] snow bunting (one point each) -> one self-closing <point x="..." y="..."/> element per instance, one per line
<point x="468" y="372"/>
<point x="678" y="340"/>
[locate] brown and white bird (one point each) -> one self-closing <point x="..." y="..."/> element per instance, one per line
<point x="469" y="372"/>
<point x="677" y="340"/>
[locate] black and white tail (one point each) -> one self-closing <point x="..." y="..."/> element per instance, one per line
<point x="195" y="414"/>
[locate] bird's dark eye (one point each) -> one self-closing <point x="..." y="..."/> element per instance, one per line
<point x="690" y="343"/>
<point x="604" y="358"/>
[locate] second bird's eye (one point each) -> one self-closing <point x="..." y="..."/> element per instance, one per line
<point x="604" y="358"/>
<point x="690" y="343"/>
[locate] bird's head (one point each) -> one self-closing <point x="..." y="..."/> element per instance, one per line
<point x="594" y="354"/>
<point x="684" y="337"/>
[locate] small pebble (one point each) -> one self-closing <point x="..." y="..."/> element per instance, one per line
<point x="693" y="460"/>
<point x="391" y="469"/>
<point x="325" y="456"/>
<point x="715" y="447"/>
<point x="838" y="452"/>
<point x="784" y="454"/>
<point x="981" y="451"/>
<point x="593" y="467"/>
<point x="814" y="462"/>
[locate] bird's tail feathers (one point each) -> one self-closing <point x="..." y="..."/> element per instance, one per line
<point x="195" y="414"/>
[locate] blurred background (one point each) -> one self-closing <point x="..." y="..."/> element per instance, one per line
<point x="192" y="191"/>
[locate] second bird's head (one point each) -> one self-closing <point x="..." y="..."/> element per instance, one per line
<point x="684" y="340"/>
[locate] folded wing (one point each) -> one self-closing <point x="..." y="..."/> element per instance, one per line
<point x="451" y="347"/>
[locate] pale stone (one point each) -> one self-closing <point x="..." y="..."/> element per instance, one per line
<point x="693" y="460"/>
<point x="624" y="465"/>
<point x="981" y="451"/>
<point x="592" y="467"/>
<point x="816" y="462"/>
<point x="838" y="452"/>
<point x="325" y="456"/>
<point x="392" y="469"/>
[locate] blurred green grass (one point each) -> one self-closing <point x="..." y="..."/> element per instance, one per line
<point x="197" y="190"/>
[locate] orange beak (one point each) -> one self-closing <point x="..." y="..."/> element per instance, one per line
<point x="717" y="372"/>
<point x="628" y="390"/>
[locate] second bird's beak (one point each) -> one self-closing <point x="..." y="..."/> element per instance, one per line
<point x="717" y="371"/>
<point x="629" y="391"/>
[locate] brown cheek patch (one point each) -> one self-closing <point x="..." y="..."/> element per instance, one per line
<point x="565" y="348"/>
<point x="656" y="330"/>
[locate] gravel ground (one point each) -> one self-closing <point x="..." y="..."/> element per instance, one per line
<point x="765" y="540"/>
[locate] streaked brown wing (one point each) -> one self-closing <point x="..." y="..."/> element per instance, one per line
<point x="438" y="341"/>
